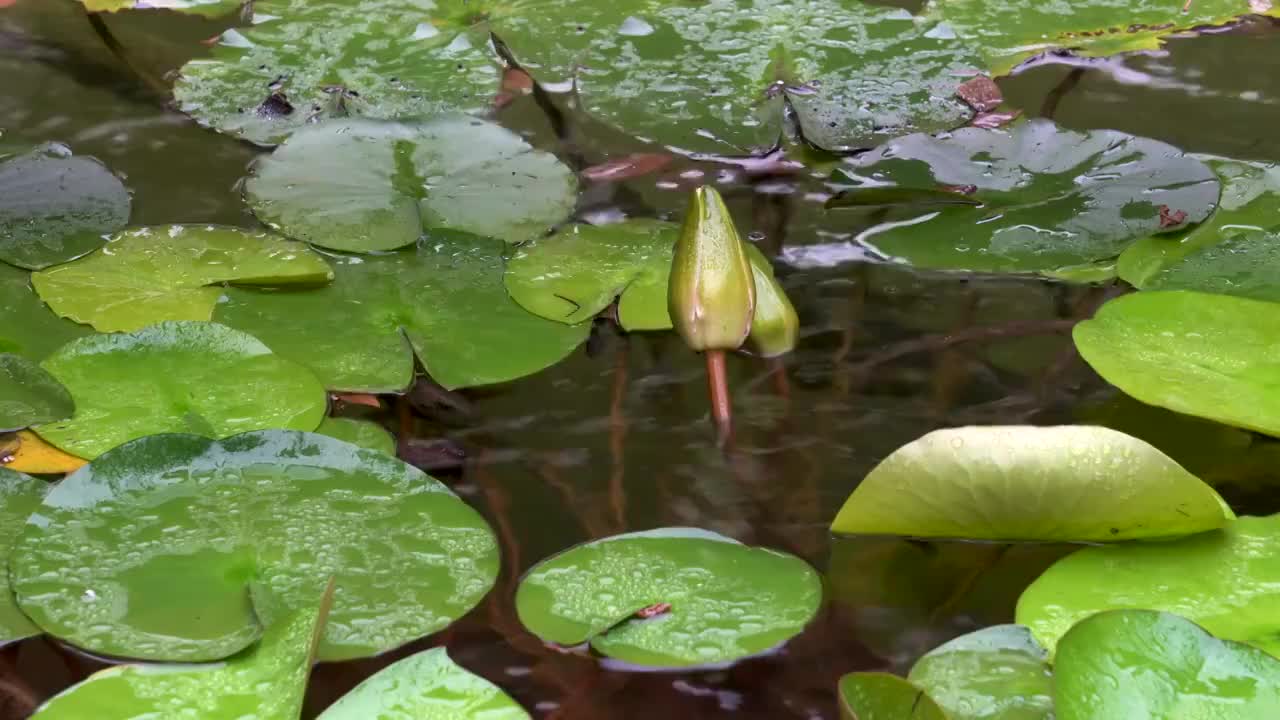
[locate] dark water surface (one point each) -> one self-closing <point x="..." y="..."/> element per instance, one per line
<point x="617" y="438"/>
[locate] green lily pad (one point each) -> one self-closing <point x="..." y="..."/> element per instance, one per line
<point x="997" y="673"/>
<point x="1195" y="353"/>
<point x="1014" y="482"/>
<point x="192" y="377"/>
<point x="711" y="600"/>
<point x="362" y="433"/>
<point x="55" y="207"/>
<point x="193" y="7"/>
<point x="443" y="300"/>
<point x="184" y="526"/>
<point x="19" y="496"/>
<point x="1012" y="31"/>
<point x="1052" y="199"/>
<point x="1243" y="265"/>
<point x="363" y="185"/>
<point x="268" y="681"/>
<point x="573" y="275"/>
<point x="1146" y="664"/>
<point x="29" y="395"/>
<point x="425" y="686"/>
<point x="881" y="696"/>
<point x="150" y="275"/>
<point x="1250" y="201"/>
<point x="1223" y="580"/>
<point x="27" y="326"/>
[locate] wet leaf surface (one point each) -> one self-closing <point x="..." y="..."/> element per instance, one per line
<point x="185" y="527"/>
<point x="201" y="378"/>
<point x="176" y="272"/>
<point x="727" y="601"/>
<point x="362" y="433"/>
<point x="997" y="673"/>
<point x="881" y="696"/>
<point x="364" y="186"/>
<point x="195" y="7"/>
<point x="1243" y="265"/>
<point x="19" y="495"/>
<point x="27" y="326"/>
<point x="29" y="395"/>
<point x="360" y="332"/>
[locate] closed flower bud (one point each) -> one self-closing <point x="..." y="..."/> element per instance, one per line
<point x="775" y="326"/>
<point x="712" y="293"/>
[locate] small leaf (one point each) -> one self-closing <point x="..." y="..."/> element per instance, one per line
<point x="997" y="673"/>
<point x="27" y="326"/>
<point x="29" y="395"/>
<point x="361" y="433"/>
<point x="19" y="495"/>
<point x="881" y="696"/>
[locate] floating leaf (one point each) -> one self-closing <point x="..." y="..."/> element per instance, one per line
<point x="55" y="207"/>
<point x="1052" y="199"/>
<point x="445" y="296"/>
<point x="267" y="681"/>
<point x="150" y="275"/>
<point x="19" y="495"/>
<point x="1011" y="31"/>
<point x="710" y="600"/>
<point x="1146" y="664"/>
<point x="573" y="275"/>
<point x="425" y="686"/>
<point x="184" y="526"/>
<point x="25" y="452"/>
<point x="362" y="433"/>
<point x="29" y="395"/>
<point x="997" y="673"/>
<point x="1222" y="580"/>
<point x="193" y="377"/>
<point x="1242" y="265"/>
<point x="1195" y="353"/>
<point x="881" y="696"/>
<point x="193" y="7"/>
<point x="363" y="185"/>
<point x="1250" y="201"/>
<point x="27" y="326"/>
<point x="1014" y="482"/>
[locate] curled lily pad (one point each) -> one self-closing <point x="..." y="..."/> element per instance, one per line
<point x="150" y="275"/>
<point x="27" y="326"/>
<point x="194" y="7"/>
<point x="1051" y="199"/>
<point x="185" y="527"/>
<point x="1195" y="353"/>
<point x="193" y="377"/>
<point x="576" y="273"/>
<point x="1250" y="201"/>
<point x="362" y="185"/>
<point x="1013" y="483"/>
<point x="997" y="673"/>
<point x="675" y="597"/>
<point x="19" y="495"/>
<point x="1147" y="664"/>
<point x="29" y="395"/>
<point x="363" y="433"/>
<point x="881" y="696"/>
<point x="55" y="207"/>
<point x="1224" y="581"/>
<point x="443" y="299"/>
<point x="426" y="686"/>
<point x="267" y="681"/>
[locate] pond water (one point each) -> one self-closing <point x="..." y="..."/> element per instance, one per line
<point x="617" y="438"/>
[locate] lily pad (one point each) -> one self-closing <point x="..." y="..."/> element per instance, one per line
<point x="363" y="433"/>
<point x="150" y="275"/>
<point x="268" y="681"/>
<point x="1250" y="201"/>
<point x="425" y="686"/>
<point x="364" y="186"/>
<point x="1242" y="265"/>
<point x="1012" y="31"/>
<point x="675" y="597"/>
<point x="29" y="395"/>
<point x="1224" y="581"/>
<point x="997" y="673"/>
<point x="27" y="326"/>
<point x="1051" y="199"/>
<point x="193" y="377"/>
<point x="881" y="696"/>
<point x="443" y="300"/>
<point x="19" y="495"/>
<point x="1070" y="483"/>
<point x="185" y="526"/>
<point x="193" y="7"/>
<point x="1195" y="353"/>
<point x="1146" y="664"/>
<point x="55" y="207"/>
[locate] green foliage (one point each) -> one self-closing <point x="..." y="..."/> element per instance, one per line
<point x="210" y="8"/>
<point x="881" y="696"/>
<point x="362" y="433"/>
<point x="998" y="673"/>
<point x="19" y="495"/>
<point x="27" y="326"/>
<point x="29" y="395"/>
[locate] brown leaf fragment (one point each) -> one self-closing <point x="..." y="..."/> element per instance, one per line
<point x="1171" y="218"/>
<point x="962" y="189"/>
<point x="625" y="168"/>
<point x="357" y="399"/>
<point x="653" y="611"/>
<point x="993" y="120"/>
<point x="980" y="93"/>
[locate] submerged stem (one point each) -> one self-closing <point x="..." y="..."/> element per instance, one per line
<point x="108" y="38"/>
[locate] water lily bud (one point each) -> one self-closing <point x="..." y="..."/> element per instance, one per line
<point x="775" y="326"/>
<point x="712" y="294"/>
